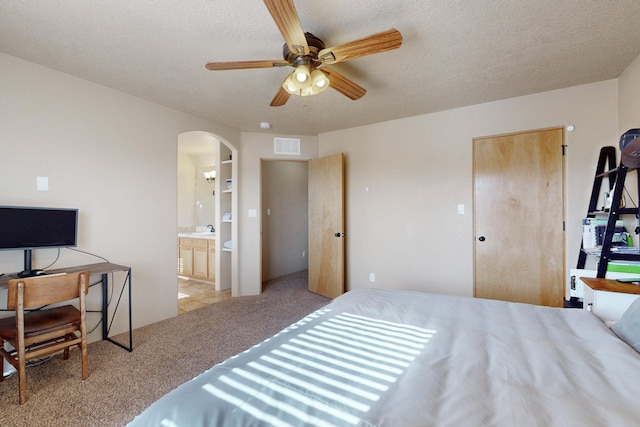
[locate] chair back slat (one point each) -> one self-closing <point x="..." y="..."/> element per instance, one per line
<point x="44" y="290"/>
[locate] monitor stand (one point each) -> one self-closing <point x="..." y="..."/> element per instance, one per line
<point x="27" y="272"/>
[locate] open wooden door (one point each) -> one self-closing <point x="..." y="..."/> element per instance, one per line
<point x="326" y="226"/>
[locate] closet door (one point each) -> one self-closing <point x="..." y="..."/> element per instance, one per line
<point x="519" y="217"/>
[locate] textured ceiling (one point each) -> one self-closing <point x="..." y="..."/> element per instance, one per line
<point x="455" y="52"/>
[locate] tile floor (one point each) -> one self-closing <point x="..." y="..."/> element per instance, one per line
<point x="193" y="294"/>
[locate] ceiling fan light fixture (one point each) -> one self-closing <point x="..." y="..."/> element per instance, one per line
<point x="290" y="86"/>
<point x="307" y="91"/>
<point x="306" y="52"/>
<point x="302" y="73"/>
<point x="319" y="81"/>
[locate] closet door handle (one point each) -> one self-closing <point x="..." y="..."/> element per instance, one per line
<point x="481" y="238"/>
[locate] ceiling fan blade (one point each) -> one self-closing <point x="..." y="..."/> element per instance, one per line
<point x="281" y="98"/>
<point x="387" y="40"/>
<point x="344" y="85"/>
<point x="286" y="18"/>
<point x="238" y="65"/>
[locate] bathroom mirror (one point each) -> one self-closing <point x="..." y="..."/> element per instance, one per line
<point x="205" y="196"/>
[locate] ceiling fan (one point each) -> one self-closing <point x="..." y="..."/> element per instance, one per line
<point x="309" y="56"/>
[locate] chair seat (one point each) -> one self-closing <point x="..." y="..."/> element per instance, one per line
<point x="42" y="320"/>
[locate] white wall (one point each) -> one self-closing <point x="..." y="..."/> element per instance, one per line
<point x="406" y="228"/>
<point x="195" y="150"/>
<point x="111" y="155"/>
<point x="285" y="227"/>
<point x="186" y="185"/>
<point x="629" y="94"/>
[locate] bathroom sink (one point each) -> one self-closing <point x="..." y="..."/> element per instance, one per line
<point x="203" y="233"/>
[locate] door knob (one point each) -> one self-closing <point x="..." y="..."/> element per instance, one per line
<point x="339" y="234"/>
<point x="481" y="238"/>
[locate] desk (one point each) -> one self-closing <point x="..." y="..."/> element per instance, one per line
<point x="103" y="269"/>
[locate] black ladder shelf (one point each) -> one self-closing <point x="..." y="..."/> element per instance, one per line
<point x="616" y="175"/>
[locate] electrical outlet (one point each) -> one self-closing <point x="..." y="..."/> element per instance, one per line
<point x="372" y="277"/>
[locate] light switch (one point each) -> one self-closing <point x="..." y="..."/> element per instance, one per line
<point x="253" y="213"/>
<point x="42" y="183"/>
<point x="460" y="209"/>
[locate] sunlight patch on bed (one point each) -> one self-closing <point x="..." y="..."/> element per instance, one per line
<point x="328" y="374"/>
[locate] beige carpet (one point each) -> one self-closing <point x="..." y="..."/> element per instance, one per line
<point x="165" y="354"/>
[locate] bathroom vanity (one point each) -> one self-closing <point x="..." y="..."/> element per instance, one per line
<point x="197" y="256"/>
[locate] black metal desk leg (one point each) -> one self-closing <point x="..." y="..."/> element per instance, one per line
<point x="106" y="322"/>
<point x="105" y="306"/>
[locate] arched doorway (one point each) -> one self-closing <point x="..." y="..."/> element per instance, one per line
<point x="206" y="230"/>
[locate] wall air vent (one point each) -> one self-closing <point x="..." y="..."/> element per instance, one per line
<point x="286" y="146"/>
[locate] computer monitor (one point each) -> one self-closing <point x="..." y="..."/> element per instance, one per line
<point x="26" y="228"/>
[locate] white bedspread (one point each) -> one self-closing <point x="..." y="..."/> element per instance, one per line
<point x="398" y="358"/>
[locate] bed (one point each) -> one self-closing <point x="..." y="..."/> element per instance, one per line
<point x="401" y="358"/>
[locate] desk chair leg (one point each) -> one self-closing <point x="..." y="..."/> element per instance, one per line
<point x="85" y="364"/>
<point x="22" y="378"/>
<point x="2" y="359"/>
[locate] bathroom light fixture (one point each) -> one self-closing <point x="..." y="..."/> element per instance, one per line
<point x="210" y="176"/>
<point x="306" y="81"/>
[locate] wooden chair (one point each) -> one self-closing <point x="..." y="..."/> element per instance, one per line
<point x="44" y="331"/>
